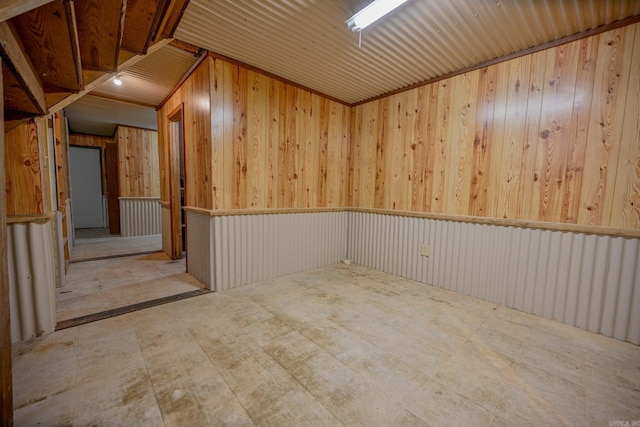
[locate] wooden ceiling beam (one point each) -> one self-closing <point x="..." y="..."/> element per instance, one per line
<point x="142" y="19"/>
<point x="25" y="79"/>
<point x="171" y="19"/>
<point x="11" y="8"/>
<point x="50" y="39"/>
<point x="100" y="26"/>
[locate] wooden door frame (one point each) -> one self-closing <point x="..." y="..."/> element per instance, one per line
<point x="112" y="187"/>
<point x="175" y="211"/>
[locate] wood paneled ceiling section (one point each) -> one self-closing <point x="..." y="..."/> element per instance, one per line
<point x="307" y="42"/>
<point x="52" y="49"/>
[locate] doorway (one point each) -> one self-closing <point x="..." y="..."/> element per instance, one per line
<point x="177" y="183"/>
<point x="85" y="168"/>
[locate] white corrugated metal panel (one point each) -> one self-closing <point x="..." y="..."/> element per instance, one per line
<point x="32" y="279"/>
<point x="200" y="247"/>
<point x="253" y="248"/>
<point x="140" y="216"/>
<point x="150" y="80"/>
<point x="588" y="281"/>
<point x="308" y="42"/>
<point x="94" y="115"/>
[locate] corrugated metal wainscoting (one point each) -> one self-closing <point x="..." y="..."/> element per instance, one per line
<point x="140" y="216"/>
<point x="229" y="251"/>
<point x="32" y="279"/>
<point x="588" y="281"/>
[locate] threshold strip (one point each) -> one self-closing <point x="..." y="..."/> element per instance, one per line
<point x="70" y="323"/>
<point x="97" y="258"/>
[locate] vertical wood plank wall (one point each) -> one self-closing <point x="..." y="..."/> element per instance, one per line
<point x="551" y="136"/>
<point x="23" y="172"/>
<point x="193" y="94"/>
<point x="262" y="144"/>
<point x="138" y="162"/>
<point x="275" y="145"/>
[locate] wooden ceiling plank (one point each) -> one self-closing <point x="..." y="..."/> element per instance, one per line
<point x="141" y="22"/>
<point x="50" y="39"/>
<point x="22" y="70"/>
<point x="100" y="33"/>
<point x="11" y="8"/>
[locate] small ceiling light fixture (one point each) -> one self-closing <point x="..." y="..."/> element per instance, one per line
<point x="117" y="81"/>
<point x="372" y="13"/>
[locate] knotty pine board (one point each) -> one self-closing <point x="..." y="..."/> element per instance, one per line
<point x="138" y="162"/>
<point x="23" y="172"/>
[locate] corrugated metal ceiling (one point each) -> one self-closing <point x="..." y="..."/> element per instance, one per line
<point x="144" y="86"/>
<point x="149" y="81"/>
<point x="307" y="41"/>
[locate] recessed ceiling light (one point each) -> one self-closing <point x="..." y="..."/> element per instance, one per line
<point x="117" y="81"/>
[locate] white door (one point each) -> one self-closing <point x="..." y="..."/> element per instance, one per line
<point x="86" y="187"/>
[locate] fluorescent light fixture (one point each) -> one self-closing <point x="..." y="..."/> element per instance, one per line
<point x="372" y="13"/>
<point x="117" y="81"/>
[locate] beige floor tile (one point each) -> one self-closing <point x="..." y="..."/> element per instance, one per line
<point x="331" y="346"/>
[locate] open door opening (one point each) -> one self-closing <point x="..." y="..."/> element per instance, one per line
<point x="177" y="183"/>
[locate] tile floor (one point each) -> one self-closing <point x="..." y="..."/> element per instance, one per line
<point x="96" y="243"/>
<point x="340" y="345"/>
<point x="99" y="285"/>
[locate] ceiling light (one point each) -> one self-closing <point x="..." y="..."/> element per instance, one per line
<point x="372" y="13"/>
<point x="117" y="81"/>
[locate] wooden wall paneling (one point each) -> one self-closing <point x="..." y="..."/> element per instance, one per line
<point x="257" y="136"/>
<point x="239" y="166"/>
<point x="356" y="164"/>
<point x="6" y="380"/>
<point x="139" y="173"/>
<point x="216" y="96"/>
<point x="45" y="163"/>
<point x="605" y="125"/>
<point x="49" y="36"/>
<point x="325" y="195"/>
<point x="227" y="134"/>
<point x="587" y="55"/>
<point x="23" y="172"/>
<point x="418" y="150"/>
<point x="289" y="162"/>
<point x="276" y="122"/>
<point x="197" y="135"/>
<point x="554" y="131"/>
<point x="441" y="149"/>
<point x="342" y="198"/>
<point x="626" y="198"/>
<point x="99" y="43"/>
<point x="487" y="124"/>
<point x="529" y="183"/>
<point x="396" y="141"/>
<point x="508" y="173"/>
<point x="303" y="126"/>
<point x="459" y="172"/>
<point x="381" y="146"/>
